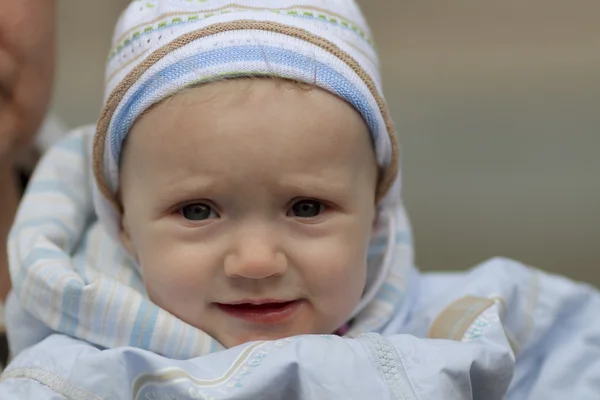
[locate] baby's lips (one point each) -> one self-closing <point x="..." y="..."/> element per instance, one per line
<point x="262" y="306"/>
<point x="262" y="313"/>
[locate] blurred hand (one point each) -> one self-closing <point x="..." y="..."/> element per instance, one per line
<point x="9" y="199"/>
<point x="27" y="29"/>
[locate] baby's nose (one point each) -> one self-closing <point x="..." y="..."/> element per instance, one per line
<point x="256" y="257"/>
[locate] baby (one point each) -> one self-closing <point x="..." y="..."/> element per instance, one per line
<point x="232" y="228"/>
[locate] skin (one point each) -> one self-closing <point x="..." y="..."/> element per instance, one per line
<point x="27" y="40"/>
<point x="8" y="206"/>
<point x="280" y="183"/>
<point x="27" y="52"/>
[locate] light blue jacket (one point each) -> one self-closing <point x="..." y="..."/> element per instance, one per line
<point x="501" y="330"/>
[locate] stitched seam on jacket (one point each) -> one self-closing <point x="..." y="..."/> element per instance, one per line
<point x="50" y="380"/>
<point x="390" y="367"/>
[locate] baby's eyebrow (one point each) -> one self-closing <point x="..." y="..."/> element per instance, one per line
<point x="186" y="190"/>
<point x="318" y="185"/>
<point x="324" y="185"/>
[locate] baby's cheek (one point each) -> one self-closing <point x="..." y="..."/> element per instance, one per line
<point x="175" y="274"/>
<point x="337" y="289"/>
<point x="339" y="267"/>
<point x="346" y="250"/>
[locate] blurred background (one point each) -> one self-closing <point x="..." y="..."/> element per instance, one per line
<point x="497" y="105"/>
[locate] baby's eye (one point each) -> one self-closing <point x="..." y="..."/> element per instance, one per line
<point x="306" y="209"/>
<point x="197" y="212"/>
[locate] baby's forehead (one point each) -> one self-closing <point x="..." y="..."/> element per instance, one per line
<point x="254" y="102"/>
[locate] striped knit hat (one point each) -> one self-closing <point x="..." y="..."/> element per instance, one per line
<point x="163" y="46"/>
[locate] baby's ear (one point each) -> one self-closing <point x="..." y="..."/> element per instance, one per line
<point x="125" y="237"/>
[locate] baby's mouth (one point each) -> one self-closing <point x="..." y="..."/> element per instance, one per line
<point x="261" y="312"/>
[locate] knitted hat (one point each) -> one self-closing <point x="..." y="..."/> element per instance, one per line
<point x="163" y="46"/>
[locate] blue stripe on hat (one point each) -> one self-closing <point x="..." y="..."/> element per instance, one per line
<point x="326" y="77"/>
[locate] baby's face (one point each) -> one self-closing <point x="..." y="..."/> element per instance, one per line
<point x="249" y="205"/>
